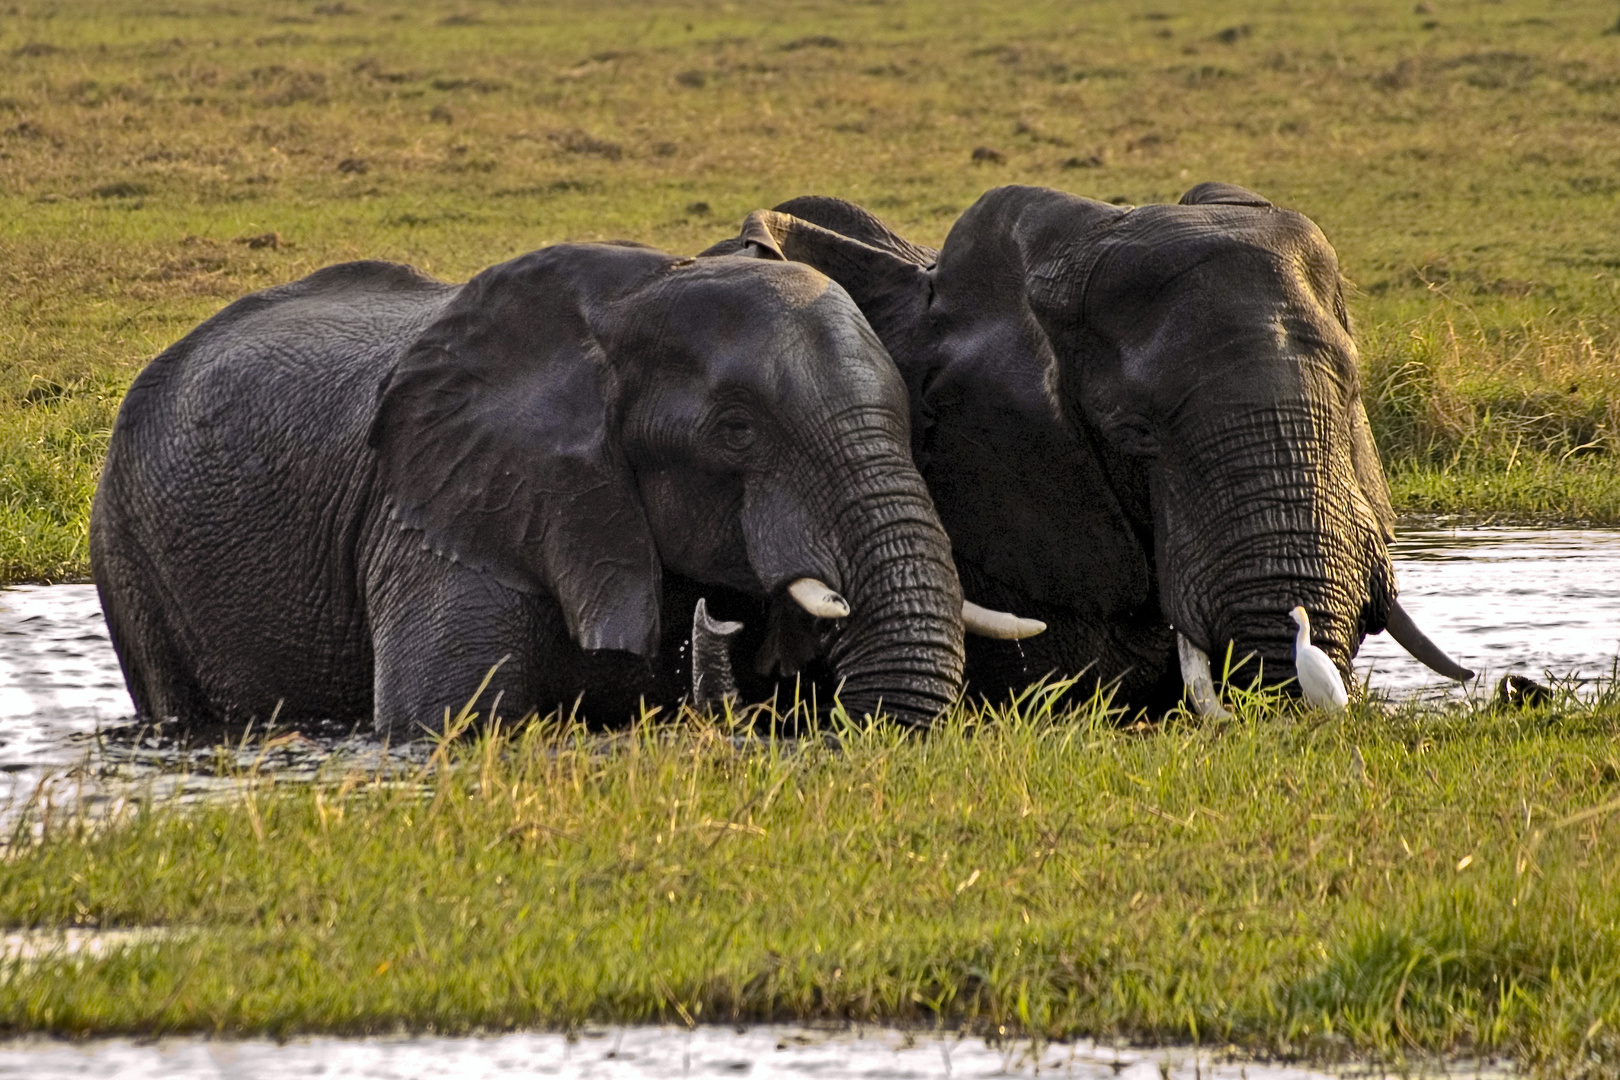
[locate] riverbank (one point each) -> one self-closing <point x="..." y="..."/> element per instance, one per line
<point x="1462" y="162"/>
<point x="1396" y="881"/>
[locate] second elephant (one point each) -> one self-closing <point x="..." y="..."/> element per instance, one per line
<point x="1140" y="425"/>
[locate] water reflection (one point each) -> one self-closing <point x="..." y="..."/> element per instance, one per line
<point x="636" y="1053"/>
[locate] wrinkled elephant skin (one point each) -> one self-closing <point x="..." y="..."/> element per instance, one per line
<point x="353" y="495"/>
<point x="1133" y="421"/>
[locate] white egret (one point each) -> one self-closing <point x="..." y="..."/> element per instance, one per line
<point x="1318" y="679"/>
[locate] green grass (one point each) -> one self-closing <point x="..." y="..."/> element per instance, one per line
<point x="1055" y="875"/>
<point x="1462" y="161"/>
<point x="1393" y="883"/>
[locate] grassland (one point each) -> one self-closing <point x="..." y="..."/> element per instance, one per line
<point x="155" y="163"/>
<point x="1390" y="883"/>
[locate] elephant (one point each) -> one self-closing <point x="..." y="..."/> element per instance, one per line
<point x="355" y="495"/>
<point x="1141" y="425"/>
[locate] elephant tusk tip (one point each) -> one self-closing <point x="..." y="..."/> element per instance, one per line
<point x="817" y="598"/>
<point x="1415" y="641"/>
<point x="1002" y="625"/>
<point x="1196" y="677"/>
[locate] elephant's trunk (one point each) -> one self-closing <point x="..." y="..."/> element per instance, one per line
<point x="1242" y="544"/>
<point x="900" y="650"/>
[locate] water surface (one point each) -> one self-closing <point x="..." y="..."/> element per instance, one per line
<point x="1537" y="602"/>
<point x="650" y="1052"/>
<point x="1540" y="602"/>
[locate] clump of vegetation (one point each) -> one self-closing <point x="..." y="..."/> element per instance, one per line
<point x="1463" y="166"/>
<point x="1519" y="422"/>
<point x="1392" y="881"/>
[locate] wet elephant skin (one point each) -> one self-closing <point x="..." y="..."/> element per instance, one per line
<point x="353" y="495"/>
<point x="1132" y="420"/>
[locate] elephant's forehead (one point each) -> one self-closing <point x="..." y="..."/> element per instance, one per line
<point x="1170" y="232"/>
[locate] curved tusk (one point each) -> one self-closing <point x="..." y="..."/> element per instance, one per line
<point x="997" y="624"/>
<point x="819" y="600"/>
<point x="1415" y="641"/>
<point x="1195" y="674"/>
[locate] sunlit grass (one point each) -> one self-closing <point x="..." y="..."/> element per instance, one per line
<point x="1392" y="882"/>
<point x="1462" y="162"/>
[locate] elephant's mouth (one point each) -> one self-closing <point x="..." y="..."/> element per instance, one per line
<point x="800" y="623"/>
<point x="1271" y="665"/>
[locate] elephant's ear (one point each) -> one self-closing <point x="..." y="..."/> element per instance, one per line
<point x="755" y="241"/>
<point x="1022" y="491"/>
<point x="493" y="438"/>
<point x="873" y="276"/>
<point x="1215" y="192"/>
<point x="857" y="223"/>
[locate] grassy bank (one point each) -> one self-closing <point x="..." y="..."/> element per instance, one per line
<point x="1378" y="884"/>
<point x="155" y="164"/>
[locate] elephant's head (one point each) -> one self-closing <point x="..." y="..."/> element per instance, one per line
<point x="584" y="417"/>
<point x="1201" y="356"/>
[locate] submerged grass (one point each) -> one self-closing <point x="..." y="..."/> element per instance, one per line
<point x="156" y="163"/>
<point x="1392" y="882"/>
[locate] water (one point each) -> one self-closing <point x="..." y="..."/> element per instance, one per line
<point x="1527" y="601"/>
<point x="67" y="732"/>
<point x="636" y="1053"/>
<point x="1498" y="600"/>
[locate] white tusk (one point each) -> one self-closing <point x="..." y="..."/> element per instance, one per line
<point x="819" y="600"/>
<point x="1195" y="674"/>
<point x="997" y="624"/>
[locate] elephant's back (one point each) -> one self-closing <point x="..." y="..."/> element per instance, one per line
<point x="309" y="338"/>
<point x="237" y="482"/>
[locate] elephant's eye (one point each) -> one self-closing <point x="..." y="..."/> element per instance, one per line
<point x="1136" y="437"/>
<point x="736" y="433"/>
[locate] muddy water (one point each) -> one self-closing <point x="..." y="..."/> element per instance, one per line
<point x="637" y="1053"/>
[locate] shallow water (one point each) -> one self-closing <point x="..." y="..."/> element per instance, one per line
<point x="66" y="722"/>
<point x="1498" y="600"/>
<point x="1537" y="602"/>
<point x="635" y="1053"/>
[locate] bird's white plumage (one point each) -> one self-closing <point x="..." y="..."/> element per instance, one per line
<point x="1318" y="679"/>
